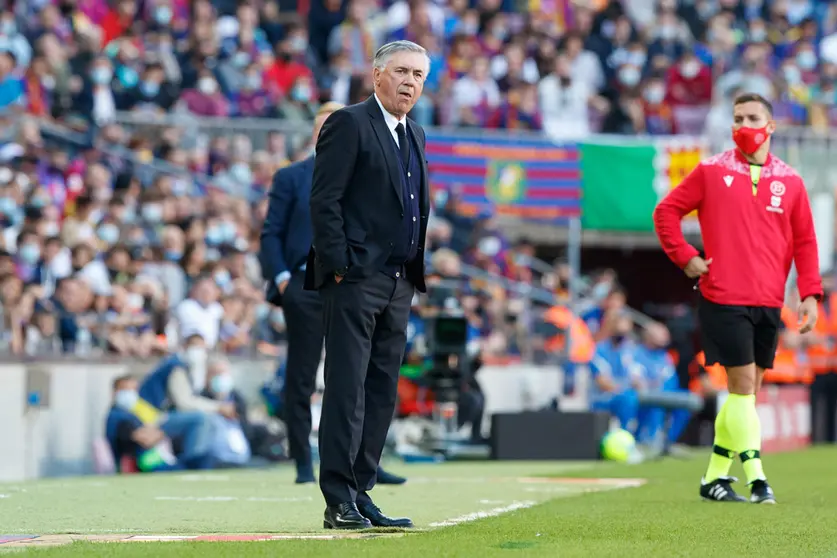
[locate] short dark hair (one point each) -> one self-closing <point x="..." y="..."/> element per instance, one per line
<point x="124" y="378"/>
<point x="754" y="98"/>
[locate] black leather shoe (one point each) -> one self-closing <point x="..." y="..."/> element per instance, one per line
<point x="344" y="516"/>
<point x="385" y="477"/>
<point x="374" y="514"/>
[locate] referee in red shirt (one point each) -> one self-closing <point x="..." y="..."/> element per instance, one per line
<point x="755" y="220"/>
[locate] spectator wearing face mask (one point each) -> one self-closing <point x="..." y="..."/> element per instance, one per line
<point x="28" y="256"/>
<point x="806" y="61"/>
<point x="139" y="435"/>
<point x="201" y="313"/>
<point x="152" y="92"/>
<point x="615" y="380"/>
<point x="206" y="99"/>
<point x="564" y="102"/>
<point x="179" y="379"/>
<point x="96" y="100"/>
<point x="263" y="441"/>
<point x="658" y="116"/>
<point x="689" y="93"/>
<point x="300" y="105"/>
<point x="252" y="99"/>
<point x="291" y="64"/>
<point x="129" y="331"/>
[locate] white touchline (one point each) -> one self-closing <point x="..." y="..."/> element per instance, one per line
<point x="231" y="499"/>
<point x="484" y="514"/>
<point x="201" y="478"/>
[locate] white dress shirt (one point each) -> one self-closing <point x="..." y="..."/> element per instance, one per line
<point x="391" y="121"/>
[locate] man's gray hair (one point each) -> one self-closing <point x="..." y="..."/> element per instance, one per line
<point x="385" y="52"/>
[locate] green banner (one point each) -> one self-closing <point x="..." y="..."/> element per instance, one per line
<point x="621" y="184"/>
<point x="618" y="187"/>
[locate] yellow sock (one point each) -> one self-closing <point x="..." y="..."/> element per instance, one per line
<point x="722" y="455"/>
<point x="744" y="427"/>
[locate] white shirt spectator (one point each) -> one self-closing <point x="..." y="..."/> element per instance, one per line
<point x="95" y="274"/>
<point x="195" y="319"/>
<point x="828" y="49"/>
<point x="587" y="69"/>
<point x="104" y="107"/>
<point x="564" y="107"/>
<point x="467" y="92"/>
<point x="500" y="67"/>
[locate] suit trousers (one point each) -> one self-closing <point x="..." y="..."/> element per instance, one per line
<point x="365" y="334"/>
<point x="304" y="322"/>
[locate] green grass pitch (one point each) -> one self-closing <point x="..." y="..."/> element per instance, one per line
<point x="461" y="509"/>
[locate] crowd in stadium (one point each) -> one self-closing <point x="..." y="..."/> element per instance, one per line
<point x="103" y="250"/>
<point x="568" y="67"/>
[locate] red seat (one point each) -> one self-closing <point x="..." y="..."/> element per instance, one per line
<point x="128" y="465"/>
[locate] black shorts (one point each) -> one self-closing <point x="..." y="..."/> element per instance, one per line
<point x="739" y="335"/>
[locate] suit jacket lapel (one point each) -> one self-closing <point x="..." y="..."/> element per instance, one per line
<point x="387" y="145"/>
<point x="425" y="191"/>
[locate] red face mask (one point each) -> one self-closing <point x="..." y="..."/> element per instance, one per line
<point x="749" y="140"/>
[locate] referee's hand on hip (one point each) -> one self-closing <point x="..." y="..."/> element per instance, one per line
<point x="697" y="266"/>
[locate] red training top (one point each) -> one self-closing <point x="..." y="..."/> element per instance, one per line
<point x="750" y="237"/>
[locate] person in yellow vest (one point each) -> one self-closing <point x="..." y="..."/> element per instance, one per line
<point x="821" y="346"/>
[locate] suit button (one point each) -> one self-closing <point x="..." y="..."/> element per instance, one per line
<point x="402" y="215"/>
<point x="397" y="274"/>
<point x="390" y="244"/>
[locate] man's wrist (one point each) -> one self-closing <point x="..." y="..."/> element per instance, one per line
<point x="282" y="277"/>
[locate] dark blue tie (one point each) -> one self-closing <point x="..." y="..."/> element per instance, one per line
<point x="403" y="146"/>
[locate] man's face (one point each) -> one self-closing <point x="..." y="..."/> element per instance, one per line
<point x="752" y="115"/>
<point x="400" y="83"/>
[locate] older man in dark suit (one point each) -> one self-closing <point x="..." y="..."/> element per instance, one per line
<point x="285" y="242"/>
<point x="369" y="208"/>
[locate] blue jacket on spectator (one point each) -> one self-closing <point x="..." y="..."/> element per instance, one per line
<point x="657" y="369"/>
<point x="115" y="417"/>
<point x="616" y="362"/>
<point x="287" y="234"/>
<point x="154" y="388"/>
<point x="415" y="329"/>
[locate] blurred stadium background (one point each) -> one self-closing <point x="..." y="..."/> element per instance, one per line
<point x="139" y="138"/>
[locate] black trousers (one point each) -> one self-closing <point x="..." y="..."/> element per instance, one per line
<point x="304" y="321"/>
<point x="824" y="408"/>
<point x="365" y="334"/>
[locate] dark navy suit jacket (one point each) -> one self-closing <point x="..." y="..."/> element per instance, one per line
<point x="286" y="235"/>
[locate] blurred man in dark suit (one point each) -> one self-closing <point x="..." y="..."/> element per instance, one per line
<point x="285" y="240"/>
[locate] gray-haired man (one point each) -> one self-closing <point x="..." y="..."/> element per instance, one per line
<point x="369" y="207"/>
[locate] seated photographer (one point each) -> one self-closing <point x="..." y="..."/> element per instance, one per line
<point x="137" y="431"/>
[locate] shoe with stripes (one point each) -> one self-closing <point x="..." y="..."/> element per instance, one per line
<point x="761" y="493"/>
<point x="720" y="490"/>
